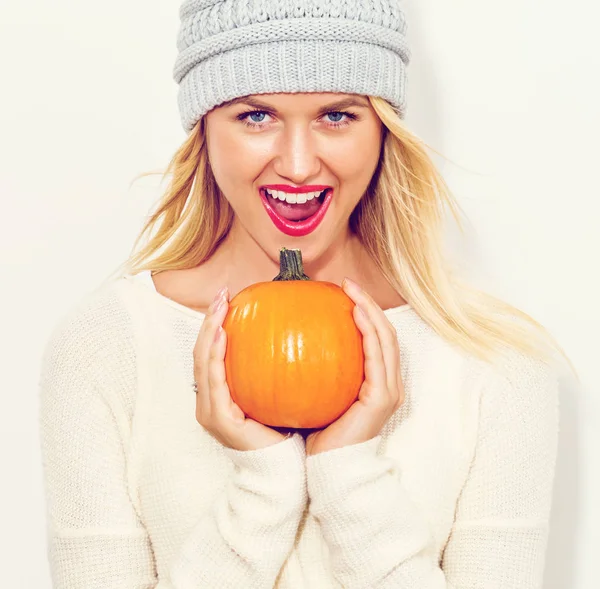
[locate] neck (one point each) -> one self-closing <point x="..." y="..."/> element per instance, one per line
<point x="240" y="261"/>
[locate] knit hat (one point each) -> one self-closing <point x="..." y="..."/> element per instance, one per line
<point x="237" y="48"/>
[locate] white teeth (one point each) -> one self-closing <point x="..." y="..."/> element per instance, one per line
<point x="292" y="198"/>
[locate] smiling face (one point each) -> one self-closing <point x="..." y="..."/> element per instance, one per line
<point x="287" y="141"/>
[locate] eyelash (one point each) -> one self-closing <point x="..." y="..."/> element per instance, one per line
<point x="243" y="117"/>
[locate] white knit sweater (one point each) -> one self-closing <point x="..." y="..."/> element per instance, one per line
<point x="454" y="493"/>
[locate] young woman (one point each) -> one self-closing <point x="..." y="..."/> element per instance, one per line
<point x="439" y="476"/>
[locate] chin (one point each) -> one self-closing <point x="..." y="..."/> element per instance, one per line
<point x="313" y="248"/>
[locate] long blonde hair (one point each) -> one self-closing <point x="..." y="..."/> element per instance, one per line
<point x="399" y="220"/>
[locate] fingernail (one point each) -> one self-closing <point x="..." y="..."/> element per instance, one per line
<point x="219" y="297"/>
<point x="351" y="284"/>
<point x="220" y="304"/>
<point x="220" y="294"/>
<point x="218" y="334"/>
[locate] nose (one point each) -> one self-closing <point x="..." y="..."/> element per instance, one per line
<point x="297" y="157"/>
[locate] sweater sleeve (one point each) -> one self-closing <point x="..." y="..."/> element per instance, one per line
<point x="246" y="538"/>
<point x="379" y="538"/>
<point x="95" y="537"/>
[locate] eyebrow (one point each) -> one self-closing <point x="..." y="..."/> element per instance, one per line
<point x="334" y="106"/>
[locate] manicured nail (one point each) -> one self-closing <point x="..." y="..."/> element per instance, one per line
<point x="218" y="334"/>
<point x="351" y="284"/>
<point x="220" y="294"/>
<point x="218" y="298"/>
<point x="220" y="304"/>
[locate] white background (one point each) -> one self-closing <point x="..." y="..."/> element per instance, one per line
<point x="508" y="91"/>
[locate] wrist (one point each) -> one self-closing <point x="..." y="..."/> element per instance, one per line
<point x="286" y="457"/>
<point x="332" y="475"/>
<point x="316" y="447"/>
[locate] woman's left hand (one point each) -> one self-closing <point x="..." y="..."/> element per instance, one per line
<point x="382" y="391"/>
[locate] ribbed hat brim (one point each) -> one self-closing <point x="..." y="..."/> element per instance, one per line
<point x="292" y="66"/>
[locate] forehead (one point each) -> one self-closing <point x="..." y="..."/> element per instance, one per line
<point x="299" y="100"/>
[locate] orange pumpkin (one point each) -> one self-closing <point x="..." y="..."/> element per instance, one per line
<point x="294" y="355"/>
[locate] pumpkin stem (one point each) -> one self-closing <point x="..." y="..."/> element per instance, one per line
<point x="290" y="265"/>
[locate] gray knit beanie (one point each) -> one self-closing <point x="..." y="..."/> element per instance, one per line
<point x="236" y="48"/>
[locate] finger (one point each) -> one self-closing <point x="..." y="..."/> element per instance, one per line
<point x="391" y="356"/>
<point x="374" y="366"/>
<point x="201" y="378"/>
<point x="400" y="387"/>
<point x="202" y="355"/>
<point x="386" y="332"/>
<point x="220" y="397"/>
<point x="390" y="351"/>
<point x="209" y="325"/>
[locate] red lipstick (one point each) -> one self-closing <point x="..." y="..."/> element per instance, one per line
<point x="297" y="228"/>
<point x="296" y="189"/>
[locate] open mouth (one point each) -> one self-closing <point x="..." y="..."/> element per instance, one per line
<point x="295" y="212"/>
<point x="297" y="219"/>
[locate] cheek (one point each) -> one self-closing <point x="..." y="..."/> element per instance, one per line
<point x="236" y="164"/>
<point x="233" y="162"/>
<point x="355" y="161"/>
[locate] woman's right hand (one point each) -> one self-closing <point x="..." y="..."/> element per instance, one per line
<point x="215" y="409"/>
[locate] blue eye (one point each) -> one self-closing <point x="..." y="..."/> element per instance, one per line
<point x="248" y="118"/>
<point x="335" y="113"/>
<point x="259" y="113"/>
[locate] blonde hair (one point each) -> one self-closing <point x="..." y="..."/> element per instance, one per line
<point x="399" y="220"/>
